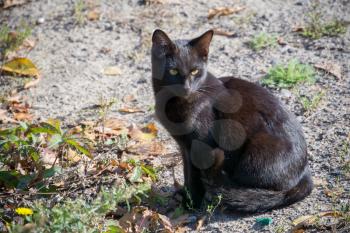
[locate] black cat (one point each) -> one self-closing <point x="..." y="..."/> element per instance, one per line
<point x="236" y="138"/>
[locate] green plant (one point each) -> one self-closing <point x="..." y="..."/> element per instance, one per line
<point x="285" y="76"/>
<point x="21" y="148"/>
<point x="11" y="40"/>
<point x="105" y="106"/>
<point x="317" y="28"/>
<point x="212" y="206"/>
<point x="310" y="104"/>
<point x="262" y="41"/>
<point x="79" y="215"/>
<point x="79" y="8"/>
<point x="280" y="229"/>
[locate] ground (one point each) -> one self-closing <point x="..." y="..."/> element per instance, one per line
<point x="72" y="56"/>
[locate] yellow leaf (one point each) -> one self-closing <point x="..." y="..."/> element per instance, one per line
<point x="112" y="70"/>
<point x="21" y="66"/>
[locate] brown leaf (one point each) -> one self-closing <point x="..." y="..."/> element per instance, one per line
<point x="129" y="98"/>
<point x="21" y="116"/>
<point x="9" y="3"/>
<point x="73" y="156"/>
<point x="329" y="67"/>
<point x="281" y="41"/>
<point x="113" y="126"/>
<point x="130" y="110"/>
<point x="200" y="222"/>
<point x="141" y="218"/>
<point x="221" y="32"/>
<point x="32" y="83"/>
<point x="306" y="220"/>
<point x="222" y="11"/>
<point x="93" y="15"/>
<point x="112" y="71"/>
<point x="151" y="148"/>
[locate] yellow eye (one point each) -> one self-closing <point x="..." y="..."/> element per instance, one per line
<point x="194" y="72"/>
<point x="173" y="72"/>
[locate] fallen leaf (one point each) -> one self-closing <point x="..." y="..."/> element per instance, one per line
<point x="200" y="222"/>
<point x="73" y="156"/>
<point x="21" y="66"/>
<point x="319" y="181"/>
<point x="309" y="219"/>
<point x="112" y="71"/>
<point x="142" y="218"/>
<point x="298" y="29"/>
<point x="281" y="41"/>
<point x="21" y="116"/>
<point x="113" y="126"/>
<point x="151" y="148"/>
<point x="147" y="133"/>
<point x="222" y="11"/>
<point x="32" y="83"/>
<point x="93" y="15"/>
<point x="329" y="67"/>
<point x="130" y="110"/>
<point x="221" y="32"/>
<point x="129" y="98"/>
<point x="9" y="3"/>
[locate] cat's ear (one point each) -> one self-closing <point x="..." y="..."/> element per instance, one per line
<point x="161" y="41"/>
<point x="201" y="44"/>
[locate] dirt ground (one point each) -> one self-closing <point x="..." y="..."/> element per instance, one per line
<point x="72" y="57"/>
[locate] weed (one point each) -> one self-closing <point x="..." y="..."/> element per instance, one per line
<point x="79" y="215"/>
<point x="212" y="206"/>
<point x="290" y="75"/>
<point x="310" y="104"/>
<point x="317" y="28"/>
<point x="345" y="156"/>
<point x="79" y="8"/>
<point x="105" y="106"/>
<point x="21" y="150"/>
<point x="11" y="40"/>
<point x="280" y="229"/>
<point x="262" y="41"/>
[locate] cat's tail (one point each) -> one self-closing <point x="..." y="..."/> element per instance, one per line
<point x="249" y="200"/>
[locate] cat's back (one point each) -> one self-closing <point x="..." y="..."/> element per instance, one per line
<point x="253" y="96"/>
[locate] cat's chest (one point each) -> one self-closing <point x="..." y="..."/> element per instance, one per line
<point x="181" y="117"/>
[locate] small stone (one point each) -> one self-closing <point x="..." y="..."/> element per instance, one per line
<point x="41" y="20"/>
<point x="108" y="27"/>
<point x="286" y="93"/>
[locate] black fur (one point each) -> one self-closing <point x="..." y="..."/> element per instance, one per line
<point x="236" y="138"/>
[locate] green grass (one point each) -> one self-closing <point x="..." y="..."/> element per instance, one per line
<point x="79" y="215"/>
<point x="79" y="8"/>
<point x="286" y="76"/>
<point x="310" y="104"/>
<point x="316" y="27"/>
<point x="262" y="41"/>
<point x="10" y="40"/>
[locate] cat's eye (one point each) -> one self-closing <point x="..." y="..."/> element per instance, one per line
<point x="173" y="72"/>
<point x="194" y="72"/>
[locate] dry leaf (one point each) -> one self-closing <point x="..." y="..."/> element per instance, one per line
<point x="9" y="3"/>
<point x="319" y="181"/>
<point x="21" y="66"/>
<point x="200" y="222"/>
<point x="130" y="110"/>
<point x="32" y="83"/>
<point x="281" y="41"/>
<point x="331" y="68"/>
<point x="48" y="157"/>
<point x="129" y="98"/>
<point x="141" y="218"/>
<point x="113" y="126"/>
<point x="93" y="15"/>
<point x="151" y="148"/>
<point x="309" y="219"/>
<point x="73" y="156"/>
<point x="112" y="70"/>
<point x="222" y="11"/>
<point x="147" y="133"/>
<point x="21" y="116"/>
<point x="221" y="32"/>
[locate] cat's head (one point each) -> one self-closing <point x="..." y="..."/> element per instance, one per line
<point x="180" y="63"/>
